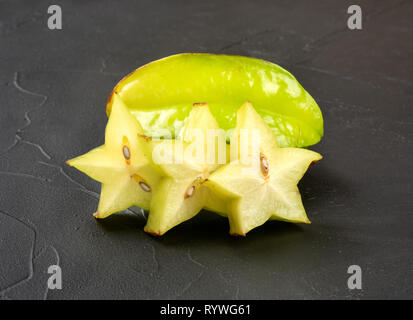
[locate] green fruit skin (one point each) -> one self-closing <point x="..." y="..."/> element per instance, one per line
<point x="160" y="95"/>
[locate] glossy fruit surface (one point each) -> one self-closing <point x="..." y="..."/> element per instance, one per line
<point x="265" y="189"/>
<point x="161" y="94"/>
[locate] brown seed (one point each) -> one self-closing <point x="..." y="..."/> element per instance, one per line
<point x="199" y="104"/>
<point x="144" y="137"/>
<point x="126" y="152"/>
<point x="142" y="183"/>
<point x="145" y="187"/>
<point x="264" y="165"/>
<point x="189" y="192"/>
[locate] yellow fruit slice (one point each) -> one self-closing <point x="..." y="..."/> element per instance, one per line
<point x="181" y="192"/>
<point x="266" y="188"/>
<point x="123" y="164"/>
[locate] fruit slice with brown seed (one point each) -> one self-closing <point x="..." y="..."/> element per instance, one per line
<point x="263" y="191"/>
<point x="181" y="192"/>
<point x="123" y="164"/>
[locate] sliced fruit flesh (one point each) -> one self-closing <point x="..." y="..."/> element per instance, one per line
<point x="181" y="192"/>
<point x="123" y="164"/>
<point x="267" y="190"/>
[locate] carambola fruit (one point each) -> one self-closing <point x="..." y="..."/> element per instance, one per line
<point x="174" y="181"/>
<point x="265" y="189"/>
<point x="160" y="95"/>
<point x="175" y="178"/>
<point x="122" y="164"/>
<point x="181" y="193"/>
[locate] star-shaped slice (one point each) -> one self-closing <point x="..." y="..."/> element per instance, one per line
<point x="266" y="188"/>
<point x="123" y="164"/>
<point x="181" y="192"/>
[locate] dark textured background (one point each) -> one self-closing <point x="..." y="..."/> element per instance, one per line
<point x="54" y="85"/>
